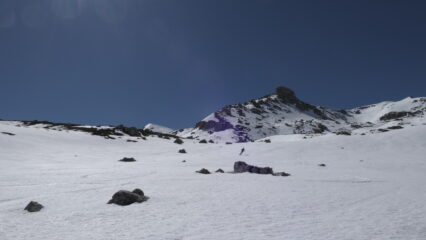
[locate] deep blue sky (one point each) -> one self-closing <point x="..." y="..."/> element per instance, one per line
<point x="173" y="62"/>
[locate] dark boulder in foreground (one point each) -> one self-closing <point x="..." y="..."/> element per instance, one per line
<point x="182" y="151"/>
<point x="220" y="171"/>
<point x="203" y="171"/>
<point x="127" y="160"/>
<point x="33" y="207"/>
<point x="124" y="197"/>
<point x="240" y="167"/>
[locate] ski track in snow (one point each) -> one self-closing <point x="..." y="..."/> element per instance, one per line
<point x="74" y="174"/>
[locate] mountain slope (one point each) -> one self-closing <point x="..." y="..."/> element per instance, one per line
<point x="283" y="113"/>
<point x="371" y="188"/>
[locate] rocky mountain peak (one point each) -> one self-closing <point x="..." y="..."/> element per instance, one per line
<point x="286" y="94"/>
<point x="282" y="113"/>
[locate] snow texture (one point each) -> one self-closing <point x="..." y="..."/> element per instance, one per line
<point x="373" y="186"/>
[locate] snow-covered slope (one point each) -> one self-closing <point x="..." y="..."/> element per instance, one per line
<point x="283" y="113"/>
<point x="373" y="186"/>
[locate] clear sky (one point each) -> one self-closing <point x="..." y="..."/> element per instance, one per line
<point x="173" y="62"/>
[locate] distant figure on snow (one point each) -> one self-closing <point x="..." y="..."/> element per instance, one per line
<point x="242" y="151"/>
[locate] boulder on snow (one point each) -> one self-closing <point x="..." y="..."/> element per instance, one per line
<point x="124" y="197"/>
<point x="321" y="165"/>
<point x="203" y="171"/>
<point x="33" y="207"/>
<point x="203" y="141"/>
<point x="126" y="159"/>
<point x="178" y="141"/>
<point x="395" y="127"/>
<point x="343" y="133"/>
<point x="182" y="151"/>
<point x="8" y="133"/>
<point x="281" y="174"/>
<point x="220" y="171"/>
<point x="240" y="167"/>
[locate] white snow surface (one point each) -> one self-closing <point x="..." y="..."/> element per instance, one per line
<point x="373" y="187"/>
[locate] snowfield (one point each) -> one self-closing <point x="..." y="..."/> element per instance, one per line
<point x="373" y="187"/>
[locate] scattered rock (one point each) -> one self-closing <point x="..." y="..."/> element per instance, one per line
<point x="129" y="140"/>
<point x="203" y="141"/>
<point x="211" y="141"/>
<point x="178" y="141"/>
<point x="240" y="167"/>
<point x="131" y="131"/>
<point x="182" y="151"/>
<point x="321" y="165"/>
<point x="127" y="160"/>
<point x="124" y="197"/>
<point x="203" y="171"/>
<point x="228" y="143"/>
<point x="398" y="115"/>
<point x="395" y="127"/>
<point x="183" y="160"/>
<point x="107" y="133"/>
<point x="268" y="140"/>
<point x="220" y="171"/>
<point x="343" y="133"/>
<point x="281" y="174"/>
<point x="33" y="207"/>
<point x="8" y="133"/>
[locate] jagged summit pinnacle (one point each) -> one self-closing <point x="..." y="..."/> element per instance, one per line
<point x="286" y="94"/>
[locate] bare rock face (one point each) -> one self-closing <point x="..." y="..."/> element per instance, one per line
<point x="33" y="207"/>
<point x="124" y="197"/>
